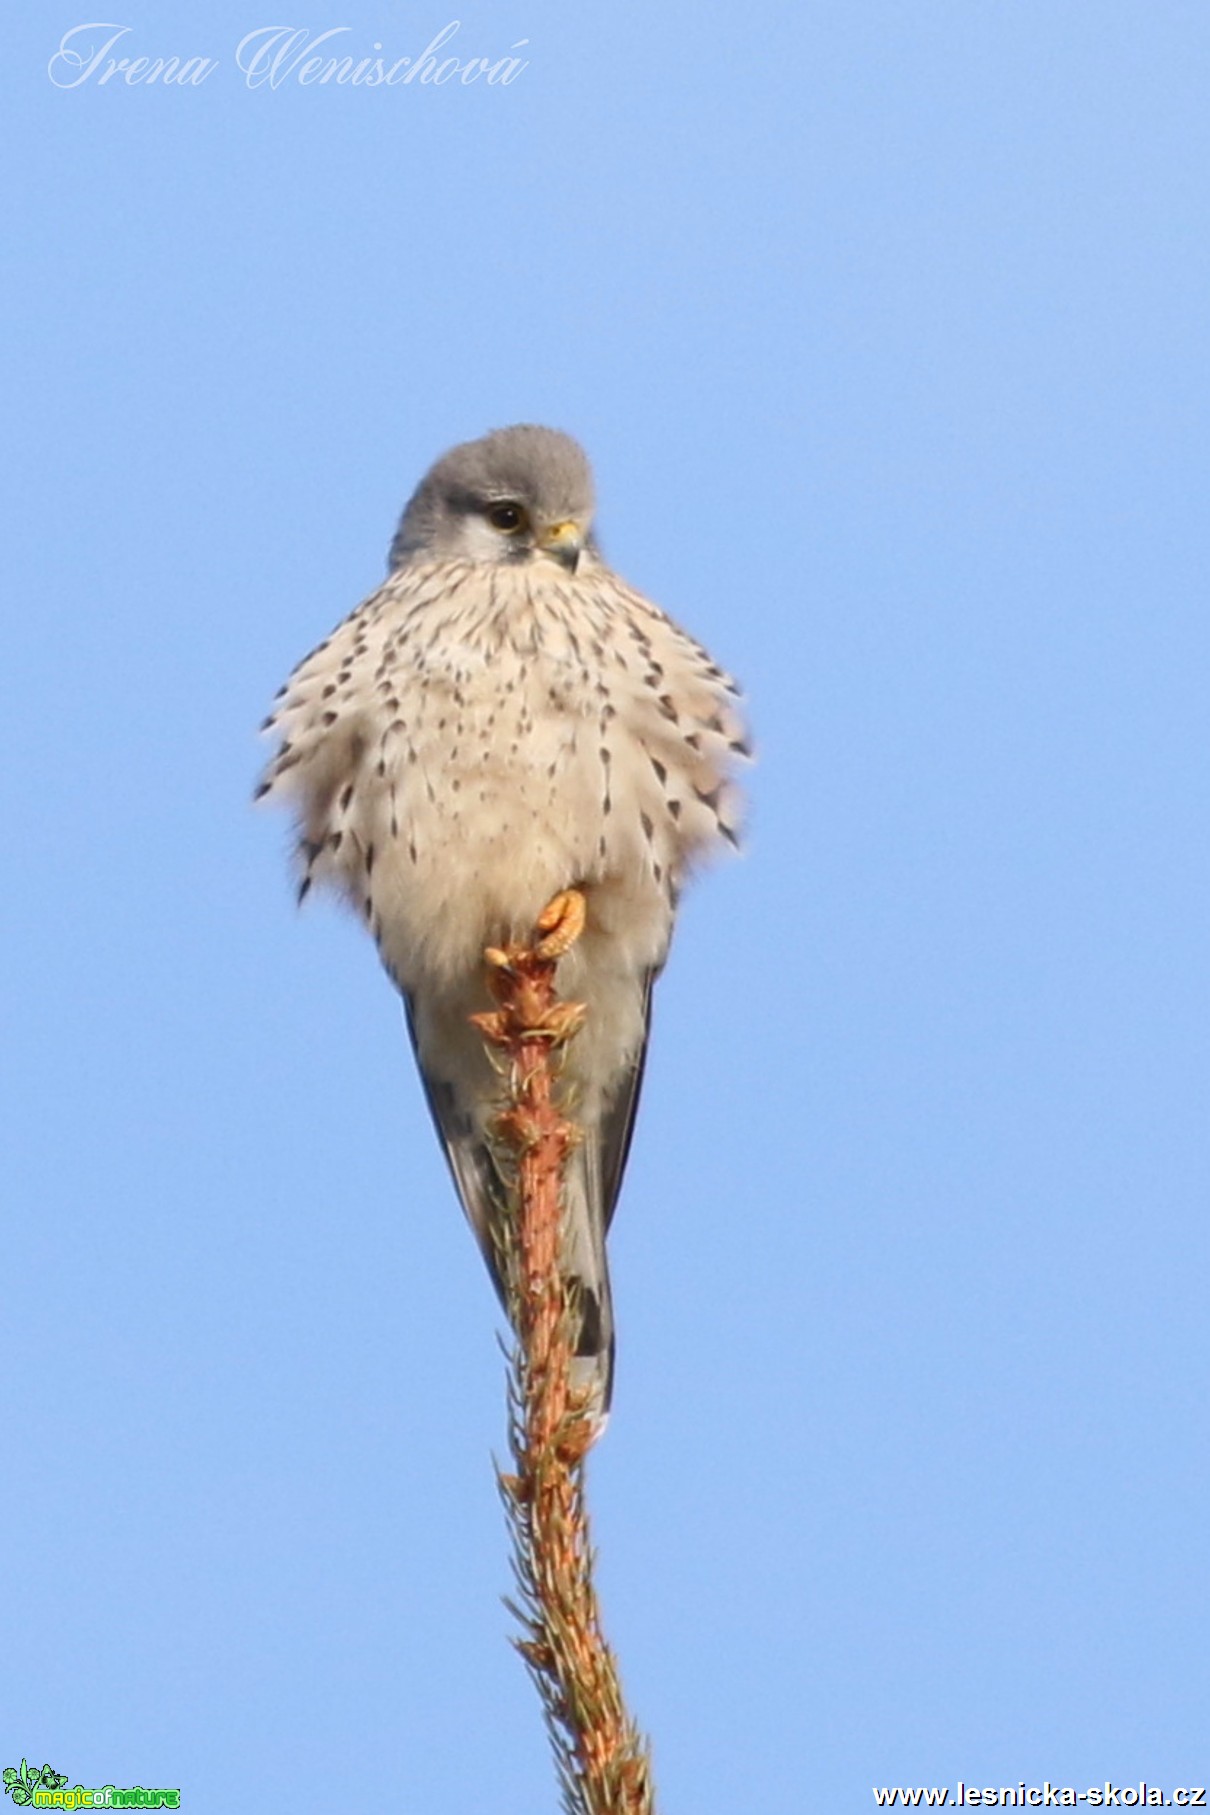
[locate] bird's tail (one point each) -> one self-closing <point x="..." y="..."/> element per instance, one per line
<point x="585" y="1269"/>
<point x="489" y="1205"/>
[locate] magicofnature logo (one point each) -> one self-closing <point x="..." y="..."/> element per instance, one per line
<point x="47" y="1789"/>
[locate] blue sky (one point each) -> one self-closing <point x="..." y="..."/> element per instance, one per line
<point x="886" y="328"/>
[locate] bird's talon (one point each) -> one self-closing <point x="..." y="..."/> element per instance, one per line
<point x="561" y="923"/>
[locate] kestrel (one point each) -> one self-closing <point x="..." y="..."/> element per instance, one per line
<point x="505" y="719"/>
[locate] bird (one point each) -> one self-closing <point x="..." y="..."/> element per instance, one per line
<point x="503" y="720"/>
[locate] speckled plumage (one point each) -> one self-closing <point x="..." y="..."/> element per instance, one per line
<point x="503" y="719"/>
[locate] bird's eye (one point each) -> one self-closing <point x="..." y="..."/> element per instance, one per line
<point x="507" y="517"/>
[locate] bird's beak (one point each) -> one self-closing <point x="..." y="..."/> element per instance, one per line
<point x="565" y="541"/>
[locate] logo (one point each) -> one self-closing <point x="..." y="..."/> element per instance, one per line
<point x="47" y="1789"/>
<point x="22" y="1784"/>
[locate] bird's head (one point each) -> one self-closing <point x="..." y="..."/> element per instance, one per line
<point x="519" y="494"/>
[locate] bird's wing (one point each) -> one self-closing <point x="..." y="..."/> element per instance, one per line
<point x="474" y="1172"/>
<point x="617" y="1122"/>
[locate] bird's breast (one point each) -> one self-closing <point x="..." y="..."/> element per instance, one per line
<point x="489" y="795"/>
<point x="465" y="746"/>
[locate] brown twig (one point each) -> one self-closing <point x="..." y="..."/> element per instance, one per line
<point x="602" y="1759"/>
